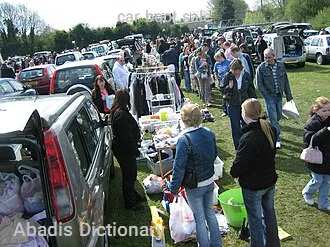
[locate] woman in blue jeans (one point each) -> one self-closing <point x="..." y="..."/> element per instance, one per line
<point x="318" y="127"/>
<point x="254" y="166"/>
<point x="202" y="154"/>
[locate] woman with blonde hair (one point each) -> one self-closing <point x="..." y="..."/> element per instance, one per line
<point x="254" y="166"/>
<point x="195" y="153"/>
<point x="318" y="128"/>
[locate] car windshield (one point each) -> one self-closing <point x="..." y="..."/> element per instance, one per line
<point x="5" y="87"/>
<point x="65" y="78"/>
<point x="30" y="74"/>
<point x="62" y="59"/>
<point x="111" y="62"/>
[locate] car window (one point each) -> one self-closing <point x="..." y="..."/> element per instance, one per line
<point x="62" y="59"/>
<point x="65" y="78"/>
<point x="315" y="41"/>
<point x="77" y="144"/>
<point x="105" y="70"/>
<point x="89" y="135"/>
<point x="5" y="87"/>
<point x="16" y="85"/>
<point x="328" y="40"/>
<point x="308" y="41"/>
<point x="94" y="115"/>
<point x="30" y="74"/>
<point x="321" y="42"/>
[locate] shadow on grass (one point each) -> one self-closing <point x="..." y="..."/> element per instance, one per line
<point x="292" y="130"/>
<point x="290" y="164"/>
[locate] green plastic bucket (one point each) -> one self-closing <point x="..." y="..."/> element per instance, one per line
<point x="233" y="207"/>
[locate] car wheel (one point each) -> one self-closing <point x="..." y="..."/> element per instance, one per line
<point x="301" y="65"/>
<point x="319" y="59"/>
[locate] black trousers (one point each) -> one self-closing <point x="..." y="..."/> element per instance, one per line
<point x="128" y="168"/>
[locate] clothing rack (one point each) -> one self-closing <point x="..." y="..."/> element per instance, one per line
<point x="154" y="68"/>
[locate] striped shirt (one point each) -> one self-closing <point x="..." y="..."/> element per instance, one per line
<point x="274" y="69"/>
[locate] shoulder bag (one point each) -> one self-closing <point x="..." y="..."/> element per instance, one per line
<point x="190" y="179"/>
<point x="312" y="155"/>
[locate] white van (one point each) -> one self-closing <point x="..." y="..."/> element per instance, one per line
<point x="288" y="47"/>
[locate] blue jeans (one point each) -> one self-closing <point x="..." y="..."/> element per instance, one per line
<point x="274" y="112"/>
<point x="261" y="217"/>
<point x="319" y="182"/>
<point x="236" y="121"/>
<point x="201" y="202"/>
<point x="187" y="80"/>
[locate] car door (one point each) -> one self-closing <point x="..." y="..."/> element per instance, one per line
<point x="86" y="139"/>
<point x="314" y="47"/>
<point x="307" y="44"/>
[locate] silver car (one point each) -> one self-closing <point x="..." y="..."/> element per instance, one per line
<point x="66" y="140"/>
<point x="318" y="48"/>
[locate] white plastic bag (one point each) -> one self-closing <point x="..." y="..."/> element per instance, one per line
<point x="153" y="184"/>
<point x="182" y="223"/>
<point x="290" y="110"/>
<point x="10" y="198"/>
<point x="31" y="190"/>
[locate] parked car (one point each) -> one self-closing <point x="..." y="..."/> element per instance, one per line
<point x="309" y="32"/>
<point x="90" y="55"/>
<point x="10" y="87"/>
<point x="101" y="49"/>
<point x="42" y="53"/>
<point x="318" y="48"/>
<point x="38" y="77"/>
<point x="68" y="57"/>
<point x="63" y="141"/>
<point x="288" y="46"/>
<point x="81" y="72"/>
<point x="110" y="59"/>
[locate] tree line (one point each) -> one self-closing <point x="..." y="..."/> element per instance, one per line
<point x="22" y="31"/>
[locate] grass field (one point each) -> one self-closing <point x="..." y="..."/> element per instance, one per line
<point x="307" y="225"/>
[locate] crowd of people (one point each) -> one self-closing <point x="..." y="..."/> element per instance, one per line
<point x="204" y="63"/>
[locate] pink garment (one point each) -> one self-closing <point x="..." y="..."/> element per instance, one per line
<point x="105" y="93"/>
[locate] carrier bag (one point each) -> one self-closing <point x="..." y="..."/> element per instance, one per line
<point x="10" y="198"/>
<point x="182" y="223"/>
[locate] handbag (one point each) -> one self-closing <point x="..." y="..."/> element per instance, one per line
<point x="190" y="179"/>
<point x="312" y="155"/>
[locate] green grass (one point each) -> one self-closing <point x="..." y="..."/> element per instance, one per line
<point x="307" y="225"/>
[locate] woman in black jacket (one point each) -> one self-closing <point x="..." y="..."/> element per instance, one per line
<point x="126" y="140"/>
<point x="102" y="88"/>
<point x="238" y="87"/>
<point x="254" y="166"/>
<point x="318" y="127"/>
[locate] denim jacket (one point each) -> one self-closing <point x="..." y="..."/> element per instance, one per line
<point x="204" y="152"/>
<point x="203" y="69"/>
<point x="266" y="84"/>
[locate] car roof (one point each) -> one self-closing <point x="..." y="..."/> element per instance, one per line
<point x="48" y="107"/>
<point x="109" y="56"/>
<point x="41" y="66"/>
<point x="78" y="64"/>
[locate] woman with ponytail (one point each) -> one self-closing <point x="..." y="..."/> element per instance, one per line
<point x="254" y="166"/>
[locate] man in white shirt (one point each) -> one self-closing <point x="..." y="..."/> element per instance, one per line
<point x="120" y="73"/>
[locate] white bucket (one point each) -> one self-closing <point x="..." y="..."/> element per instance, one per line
<point x="218" y="168"/>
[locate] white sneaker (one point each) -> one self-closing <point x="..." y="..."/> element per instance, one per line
<point x="309" y="201"/>
<point x="278" y="145"/>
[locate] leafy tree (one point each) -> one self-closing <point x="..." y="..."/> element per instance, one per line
<point x="321" y="20"/>
<point x="304" y="10"/>
<point x="240" y="7"/>
<point x="61" y="41"/>
<point x="228" y="11"/>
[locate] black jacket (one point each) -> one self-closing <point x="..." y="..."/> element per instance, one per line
<point x="126" y="133"/>
<point x="254" y="164"/>
<point x="321" y="138"/>
<point x="97" y="99"/>
<point x="238" y="96"/>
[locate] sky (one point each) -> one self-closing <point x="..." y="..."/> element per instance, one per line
<point x="65" y="14"/>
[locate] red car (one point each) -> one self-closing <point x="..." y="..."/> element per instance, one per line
<point x="38" y="77"/>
